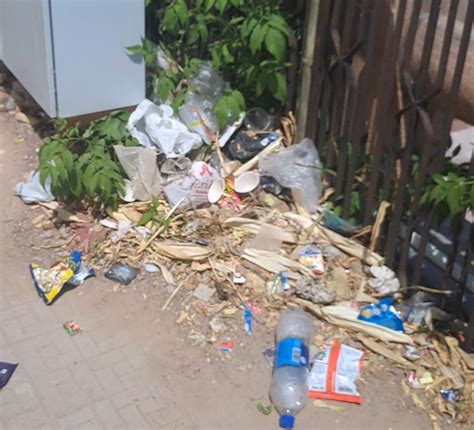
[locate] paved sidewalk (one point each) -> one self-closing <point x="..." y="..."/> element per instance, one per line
<point x="92" y="380"/>
<point x="67" y="381"/>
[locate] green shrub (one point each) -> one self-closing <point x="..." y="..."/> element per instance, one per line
<point x="82" y="164"/>
<point x="247" y="42"/>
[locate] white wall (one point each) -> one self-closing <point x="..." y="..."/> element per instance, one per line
<point x="26" y="47"/>
<point x="1" y="51"/>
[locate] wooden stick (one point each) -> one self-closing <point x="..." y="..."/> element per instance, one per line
<point x="213" y="270"/>
<point x="223" y="172"/>
<point x="428" y="290"/>
<point x="378" y="224"/>
<point x="366" y="230"/>
<point x="175" y="291"/>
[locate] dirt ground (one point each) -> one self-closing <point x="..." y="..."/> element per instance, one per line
<point x="133" y="367"/>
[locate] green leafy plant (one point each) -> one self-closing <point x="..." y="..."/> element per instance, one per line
<point x="151" y="215"/>
<point x="451" y="193"/>
<point x="355" y="207"/>
<point x="151" y="212"/>
<point x="246" y="41"/>
<point x="82" y="164"/>
<point x="228" y="107"/>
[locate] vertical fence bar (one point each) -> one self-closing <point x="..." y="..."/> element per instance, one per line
<point x="423" y="69"/>
<point x="448" y="36"/>
<point x="347" y="86"/>
<point x="361" y="101"/>
<point x="385" y="93"/>
<point x="411" y="33"/>
<point x="318" y="71"/>
<point x="334" y="78"/>
<point x="424" y="235"/>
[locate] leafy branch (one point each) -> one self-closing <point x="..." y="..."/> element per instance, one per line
<point x="82" y="164"/>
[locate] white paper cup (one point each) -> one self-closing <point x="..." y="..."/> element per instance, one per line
<point x="246" y="182"/>
<point x="216" y="190"/>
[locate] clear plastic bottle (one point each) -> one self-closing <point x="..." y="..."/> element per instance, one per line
<point x="289" y="389"/>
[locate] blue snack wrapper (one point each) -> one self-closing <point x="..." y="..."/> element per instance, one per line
<point x="381" y="314"/>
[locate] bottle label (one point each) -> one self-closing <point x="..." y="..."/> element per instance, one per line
<point x="291" y="352"/>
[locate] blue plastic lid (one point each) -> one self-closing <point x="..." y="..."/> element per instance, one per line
<point x="76" y="257"/>
<point x="287" y="421"/>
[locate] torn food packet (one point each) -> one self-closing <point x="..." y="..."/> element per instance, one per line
<point x="334" y="374"/>
<point x="311" y="257"/>
<point x="50" y="282"/>
<point x="193" y="187"/>
<point x="154" y="127"/>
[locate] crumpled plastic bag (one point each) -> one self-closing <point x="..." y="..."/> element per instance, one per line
<point x="309" y="288"/>
<point x="154" y="127"/>
<point x="176" y="167"/>
<point x="384" y="280"/>
<point x="31" y="191"/>
<point x="140" y="166"/>
<point x="193" y="187"/>
<point x="297" y="167"/>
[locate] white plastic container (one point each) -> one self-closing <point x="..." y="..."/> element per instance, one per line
<point x="289" y="389"/>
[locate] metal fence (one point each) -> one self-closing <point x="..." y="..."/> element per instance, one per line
<point x="381" y="97"/>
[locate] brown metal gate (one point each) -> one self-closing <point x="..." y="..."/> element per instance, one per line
<point x="379" y="98"/>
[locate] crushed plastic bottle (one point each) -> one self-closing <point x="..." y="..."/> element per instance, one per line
<point x="289" y="389"/>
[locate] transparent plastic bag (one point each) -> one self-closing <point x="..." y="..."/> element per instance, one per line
<point x="140" y="166"/>
<point x="297" y="167"/>
<point x="197" y="113"/>
<point x="194" y="117"/>
<point x="207" y="82"/>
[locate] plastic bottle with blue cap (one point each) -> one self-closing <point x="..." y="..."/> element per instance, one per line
<point x="289" y="389"/>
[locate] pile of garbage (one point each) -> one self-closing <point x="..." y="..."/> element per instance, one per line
<point x="236" y="222"/>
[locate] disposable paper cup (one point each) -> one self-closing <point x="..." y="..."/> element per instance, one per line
<point x="246" y="182"/>
<point x="216" y="190"/>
